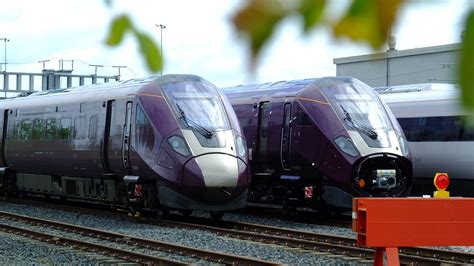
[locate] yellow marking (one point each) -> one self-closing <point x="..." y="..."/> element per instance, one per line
<point x="151" y="95"/>
<point x="312" y="100"/>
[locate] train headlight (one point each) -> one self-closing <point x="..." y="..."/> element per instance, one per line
<point x="346" y="145"/>
<point x="241" y="146"/>
<point x="404" y="146"/>
<point x="179" y="145"/>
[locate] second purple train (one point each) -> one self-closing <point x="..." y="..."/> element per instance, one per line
<point x="320" y="142"/>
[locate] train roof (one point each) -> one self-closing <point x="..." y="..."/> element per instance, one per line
<point x="422" y="100"/>
<point x="104" y="91"/>
<point x="413" y="88"/>
<point x="419" y="92"/>
<point x="284" y="88"/>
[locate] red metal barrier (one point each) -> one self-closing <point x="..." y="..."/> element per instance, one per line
<point x="389" y="223"/>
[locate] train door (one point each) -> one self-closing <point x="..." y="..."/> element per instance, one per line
<point x="262" y="135"/>
<point x="286" y="137"/>
<point x="127" y="128"/>
<point x="106" y="140"/>
<point x="119" y="114"/>
<point x="3" y="136"/>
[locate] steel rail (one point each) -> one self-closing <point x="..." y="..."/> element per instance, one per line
<point x="431" y="255"/>
<point x="92" y="247"/>
<point x="207" y="255"/>
<point x="320" y="242"/>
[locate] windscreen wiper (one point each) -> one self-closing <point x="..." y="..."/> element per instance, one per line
<point x="191" y="124"/>
<point x="359" y="126"/>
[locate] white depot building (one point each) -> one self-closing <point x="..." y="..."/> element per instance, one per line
<point x="436" y="64"/>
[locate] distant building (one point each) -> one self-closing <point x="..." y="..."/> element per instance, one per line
<point x="436" y="64"/>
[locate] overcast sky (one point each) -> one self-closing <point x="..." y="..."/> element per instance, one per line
<point x="199" y="38"/>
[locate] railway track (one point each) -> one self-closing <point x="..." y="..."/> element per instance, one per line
<point x="320" y="242"/>
<point x="326" y="243"/>
<point x="125" y="240"/>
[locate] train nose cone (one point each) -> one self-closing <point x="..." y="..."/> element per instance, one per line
<point x="212" y="171"/>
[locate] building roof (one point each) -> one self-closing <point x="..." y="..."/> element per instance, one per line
<point x="398" y="53"/>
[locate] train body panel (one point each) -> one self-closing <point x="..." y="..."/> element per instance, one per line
<point x="138" y="137"/>
<point x="320" y="140"/>
<point x="437" y="132"/>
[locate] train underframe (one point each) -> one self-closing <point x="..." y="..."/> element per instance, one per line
<point x="129" y="193"/>
<point x="292" y="192"/>
<point x="132" y="195"/>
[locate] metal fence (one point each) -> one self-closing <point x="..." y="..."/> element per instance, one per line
<point x="14" y="83"/>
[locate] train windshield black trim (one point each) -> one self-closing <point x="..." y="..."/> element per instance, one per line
<point x="197" y="105"/>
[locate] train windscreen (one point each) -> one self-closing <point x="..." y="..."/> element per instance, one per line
<point x="197" y="105"/>
<point x="359" y="107"/>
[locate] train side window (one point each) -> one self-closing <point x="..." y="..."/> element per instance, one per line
<point x="64" y="128"/>
<point x="79" y="127"/>
<point x="93" y="127"/>
<point x="51" y="128"/>
<point x="429" y="126"/>
<point x="411" y="127"/>
<point x="467" y="132"/>
<point x="39" y="128"/>
<point x="16" y="130"/>
<point x="25" y="130"/>
<point x="141" y="118"/>
<point x="302" y="119"/>
<point x="144" y="133"/>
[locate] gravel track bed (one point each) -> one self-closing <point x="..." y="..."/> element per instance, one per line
<point x="346" y="232"/>
<point x="191" y="238"/>
<point x="66" y="234"/>
<point x="18" y="250"/>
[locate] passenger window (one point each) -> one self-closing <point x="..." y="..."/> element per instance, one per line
<point x="442" y="128"/>
<point x="25" y="130"/>
<point x="64" y="128"/>
<point x="93" y="127"/>
<point x="429" y="126"/>
<point x="79" y="127"/>
<point x="467" y="132"/>
<point x="39" y="128"/>
<point x="16" y="130"/>
<point x="144" y="133"/>
<point x="411" y="127"/>
<point x="51" y="128"/>
<point x="302" y="119"/>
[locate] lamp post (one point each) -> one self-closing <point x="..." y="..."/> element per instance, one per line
<point x="161" y="26"/>
<point x="5" y="63"/>
<point x="5" y="55"/>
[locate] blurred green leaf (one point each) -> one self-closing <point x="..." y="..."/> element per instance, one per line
<point x="257" y="20"/>
<point x="120" y="25"/>
<point x="368" y="20"/>
<point x="150" y="52"/>
<point x="312" y="11"/>
<point x="466" y="64"/>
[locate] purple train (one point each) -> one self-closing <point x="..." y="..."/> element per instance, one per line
<point x="320" y="142"/>
<point x="159" y="143"/>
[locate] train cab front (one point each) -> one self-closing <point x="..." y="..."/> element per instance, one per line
<point x="215" y="173"/>
<point x="373" y="151"/>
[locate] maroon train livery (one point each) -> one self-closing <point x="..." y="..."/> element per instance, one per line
<point x="169" y="142"/>
<point x="320" y="142"/>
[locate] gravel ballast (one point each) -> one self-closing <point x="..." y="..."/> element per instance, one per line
<point x="191" y="238"/>
<point x="186" y="237"/>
